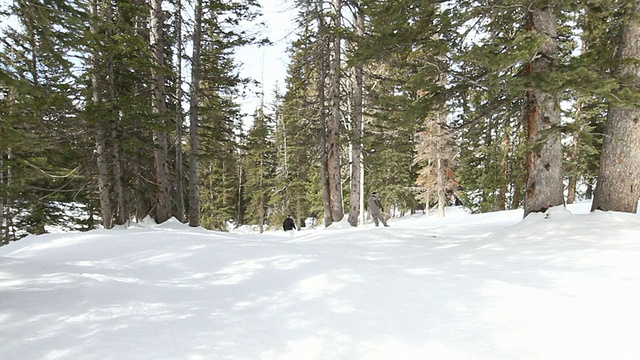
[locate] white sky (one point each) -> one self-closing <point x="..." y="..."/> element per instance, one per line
<point x="493" y="286"/>
<point x="269" y="64"/>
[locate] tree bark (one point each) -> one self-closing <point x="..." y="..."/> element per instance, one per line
<point x="333" y="124"/>
<point x="179" y="192"/>
<point x="618" y="185"/>
<point x="102" y="160"/>
<point x="6" y="213"/>
<point x="163" y="186"/>
<point x="573" y="155"/>
<point x="4" y="235"/>
<point x="440" y="176"/>
<point x="542" y="118"/>
<point x="356" y="141"/>
<point x="121" y="215"/>
<point x="196" y="75"/>
<point x="322" y="119"/>
<point x="501" y="201"/>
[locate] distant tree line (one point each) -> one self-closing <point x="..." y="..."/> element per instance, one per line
<point x="114" y="111"/>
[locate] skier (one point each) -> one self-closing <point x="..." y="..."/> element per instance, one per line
<point x="375" y="209"/>
<point x="288" y="225"/>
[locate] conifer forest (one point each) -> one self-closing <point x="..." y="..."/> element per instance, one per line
<point x="113" y="111"/>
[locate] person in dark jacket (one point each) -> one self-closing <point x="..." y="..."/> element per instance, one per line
<point x="375" y="209"/>
<point x="288" y="224"/>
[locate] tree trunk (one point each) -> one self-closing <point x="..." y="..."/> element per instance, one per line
<point x="179" y="192"/>
<point x="333" y="125"/>
<point x="440" y="178"/>
<point x="322" y="121"/>
<point x="356" y="141"/>
<point x="102" y="160"/>
<point x="573" y="155"/>
<point x="240" y="195"/>
<point x="618" y="185"/>
<point x="542" y="118"/>
<point x="515" y="202"/>
<point x="571" y="189"/>
<point x="196" y="75"/>
<point x="163" y="185"/>
<point x="501" y="201"/>
<point x="121" y="215"/>
<point x="6" y="215"/>
<point x="4" y="236"/>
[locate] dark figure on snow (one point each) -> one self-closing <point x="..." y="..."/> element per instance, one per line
<point x="288" y="224"/>
<point x="375" y="209"/>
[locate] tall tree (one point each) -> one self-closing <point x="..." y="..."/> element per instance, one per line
<point x="356" y="198"/>
<point x="542" y="119"/>
<point x="179" y="118"/>
<point x="335" y="119"/>
<point x="260" y="169"/>
<point x="299" y="113"/>
<point x="101" y="10"/>
<point x="219" y="117"/>
<point x="194" y="100"/>
<point x="618" y="186"/>
<point x="321" y="60"/>
<point x="158" y="98"/>
<point x="39" y="144"/>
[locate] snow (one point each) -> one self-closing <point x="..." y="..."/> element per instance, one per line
<point x="560" y="285"/>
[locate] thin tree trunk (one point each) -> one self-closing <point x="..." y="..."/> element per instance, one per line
<point x="572" y="157"/>
<point x="106" y="210"/>
<point x="5" y="202"/>
<point x="261" y="189"/>
<point x="121" y="216"/>
<point x="179" y="193"/>
<point x="571" y="189"/>
<point x="618" y="185"/>
<point x="196" y="74"/>
<point x="504" y="166"/>
<point x="322" y="121"/>
<point x="10" y="231"/>
<point x="440" y="178"/>
<point x="542" y="115"/>
<point x="333" y="125"/>
<point x="102" y="161"/>
<point x="4" y="238"/>
<point x="356" y="142"/>
<point x="163" y="185"/>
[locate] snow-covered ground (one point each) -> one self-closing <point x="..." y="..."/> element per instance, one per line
<point x="561" y="285"/>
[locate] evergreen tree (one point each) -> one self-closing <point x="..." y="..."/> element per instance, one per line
<point x="40" y="146"/>
<point x="402" y="53"/>
<point x="214" y="115"/>
<point x="356" y="179"/>
<point x="260" y="170"/>
<point x="297" y="120"/>
<point x="618" y="186"/>
<point x="159" y="107"/>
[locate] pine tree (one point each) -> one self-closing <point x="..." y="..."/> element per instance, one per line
<point x="618" y="187"/>
<point x="194" y="114"/>
<point x="356" y="178"/>
<point x="260" y="169"/>
<point x="39" y="143"/>
<point x="214" y="116"/>
<point x="402" y="53"/>
<point x="158" y="103"/>
<point x="297" y="120"/>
